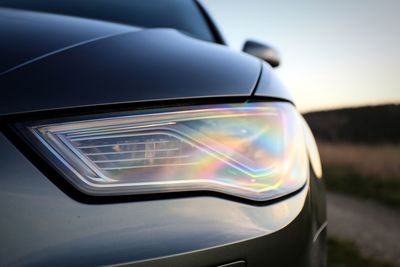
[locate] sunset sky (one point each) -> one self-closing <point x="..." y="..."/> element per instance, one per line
<point x="334" y="53"/>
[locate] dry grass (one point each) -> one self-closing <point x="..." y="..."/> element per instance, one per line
<point x="367" y="160"/>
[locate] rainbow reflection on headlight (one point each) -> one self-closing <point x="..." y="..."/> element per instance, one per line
<point x="253" y="150"/>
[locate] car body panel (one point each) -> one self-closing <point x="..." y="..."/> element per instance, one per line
<point x="269" y="85"/>
<point x="41" y="224"/>
<point x="116" y="70"/>
<point x="27" y="36"/>
<point x="101" y="63"/>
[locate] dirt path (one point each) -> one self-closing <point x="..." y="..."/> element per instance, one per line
<point x="373" y="227"/>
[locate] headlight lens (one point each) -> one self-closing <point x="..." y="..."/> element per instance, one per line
<point x="254" y="150"/>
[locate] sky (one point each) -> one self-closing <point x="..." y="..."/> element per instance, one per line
<point x="334" y="53"/>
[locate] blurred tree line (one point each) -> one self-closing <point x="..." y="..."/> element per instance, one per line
<point x="363" y="125"/>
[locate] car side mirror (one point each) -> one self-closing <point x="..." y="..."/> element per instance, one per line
<point x="262" y="51"/>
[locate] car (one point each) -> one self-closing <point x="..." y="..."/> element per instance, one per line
<point x="132" y="135"/>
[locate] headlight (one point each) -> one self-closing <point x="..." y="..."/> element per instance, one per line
<point x="254" y="150"/>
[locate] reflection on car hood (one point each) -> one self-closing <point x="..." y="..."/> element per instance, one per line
<point x="53" y="61"/>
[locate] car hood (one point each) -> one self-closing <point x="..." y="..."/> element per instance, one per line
<point x="53" y="61"/>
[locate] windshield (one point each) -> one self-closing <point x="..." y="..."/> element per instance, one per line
<point x="183" y="15"/>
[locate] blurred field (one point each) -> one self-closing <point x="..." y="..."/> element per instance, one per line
<point x="380" y="161"/>
<point x="345" y="254"/>
<point x="360" y="153"/>
<point x="365" y="171"/>
<point x="371" y="171"/>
